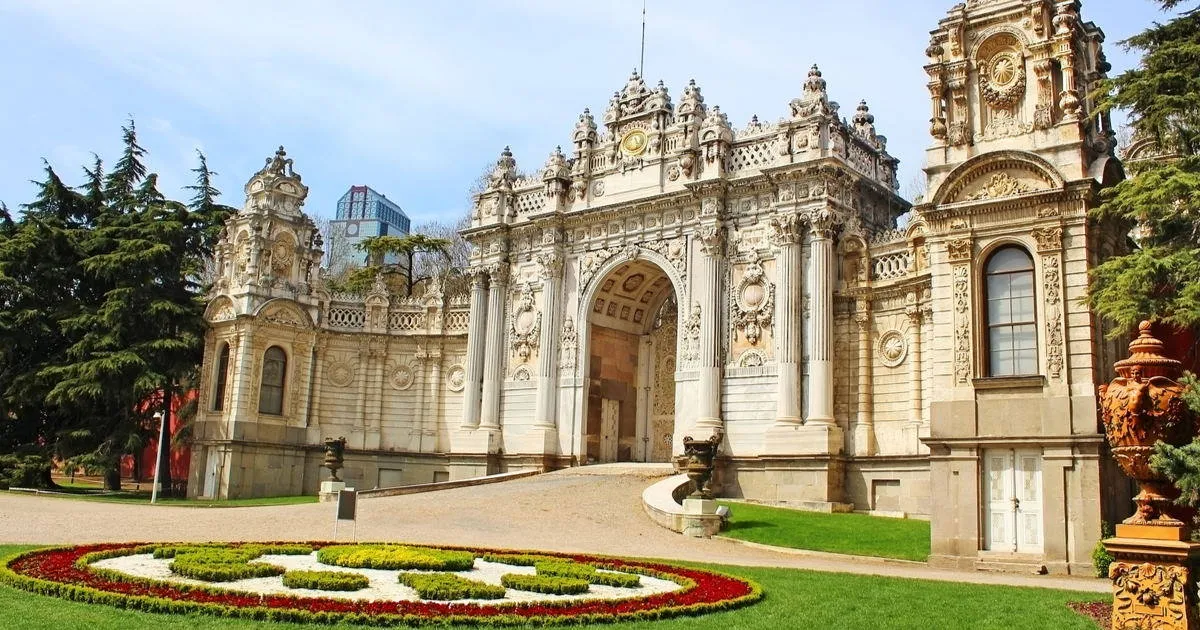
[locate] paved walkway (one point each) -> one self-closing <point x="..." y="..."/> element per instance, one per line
<point x="575" y="510"/>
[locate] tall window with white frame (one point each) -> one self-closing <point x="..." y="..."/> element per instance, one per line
<point x="270" y="393"/>
<point x="1011" y="316"/>
<point x="220" y="378"/>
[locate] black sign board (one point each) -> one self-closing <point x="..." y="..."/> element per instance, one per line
<point x="347" y="504"/>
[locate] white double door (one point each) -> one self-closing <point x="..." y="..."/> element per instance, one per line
<point x="1012" y="490"/>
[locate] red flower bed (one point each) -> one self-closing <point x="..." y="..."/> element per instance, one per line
<point x="64" y="572"/>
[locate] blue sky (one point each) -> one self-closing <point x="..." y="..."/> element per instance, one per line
<point x="417" y="98"/>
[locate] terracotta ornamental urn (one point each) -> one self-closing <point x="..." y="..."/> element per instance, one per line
<point x="335" y="449"/>
<point x="1140" y="407"/>
<point x="700" y="455"/>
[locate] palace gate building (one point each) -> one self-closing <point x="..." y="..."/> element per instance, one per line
<point x="667" y="274"/>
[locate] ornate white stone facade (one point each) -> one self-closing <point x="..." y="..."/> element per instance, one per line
<point x="670" y="275"/>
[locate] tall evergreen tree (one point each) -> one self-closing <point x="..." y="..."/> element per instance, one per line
<point x="1160" y="278"/>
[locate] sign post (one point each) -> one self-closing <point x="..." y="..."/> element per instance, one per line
<point x="347" y="508"/>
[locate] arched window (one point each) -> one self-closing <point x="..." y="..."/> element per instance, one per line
<point x="220" y="377"/>
<point x="1011" y="320"/>
<point x="270" y="393"/>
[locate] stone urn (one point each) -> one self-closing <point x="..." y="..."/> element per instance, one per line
<point x="699" y="464"/>
<point x="335" y="449"/>
<point x="1141" y="407"/>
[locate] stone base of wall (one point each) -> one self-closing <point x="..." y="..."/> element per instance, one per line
<point x="812" y="481"/>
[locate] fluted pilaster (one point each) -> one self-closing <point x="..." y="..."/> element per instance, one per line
<point x="475" y="348"/>
<point x="493" y="376"/>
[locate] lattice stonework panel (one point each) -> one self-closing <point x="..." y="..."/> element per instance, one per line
<point x="751" y="156"/>
<point x="399" y="320"/>
<point x="530" y="202"/>
<point x="456" y="321"/>
<point x="891" y="266"/>
<point x="346" y="317"/>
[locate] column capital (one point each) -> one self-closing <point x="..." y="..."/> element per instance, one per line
<point x="551" y="263"/>
<point x="784" y="229"/>
<point x="822" y="222"/>
<point x="712" y="239"/>
<point x="498" y="273"/>
<point x="862" y="314"/>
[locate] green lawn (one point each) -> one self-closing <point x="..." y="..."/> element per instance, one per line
<point x="144" y="497"/>
<point x="794" y="599"/>
<point x="856" y="534"/>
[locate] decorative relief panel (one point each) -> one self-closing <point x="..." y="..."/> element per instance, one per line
<point x="1151" y="595"/>
<point x="525" y="324"/>
<point x="569" y="346"/>
<point x="340" y="370"/>
<point x="690" y="337"/>
<point x="998" y="186"/>
<point x="402" y="377"/>
<point x="753" y="303"/>
<point x="1051" y="277"/>
<point x="962" y="324"/>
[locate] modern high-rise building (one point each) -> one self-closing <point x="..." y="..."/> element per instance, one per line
<point x="362" y="213"/>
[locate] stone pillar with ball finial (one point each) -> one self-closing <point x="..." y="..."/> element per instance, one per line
<point x="1154" y="561"/>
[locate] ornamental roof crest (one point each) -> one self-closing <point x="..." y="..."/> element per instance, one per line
<point x="276" y="187"/>
<point x="636" y="99"/>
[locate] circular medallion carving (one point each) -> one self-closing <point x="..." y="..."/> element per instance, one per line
<point x="1004" y="71"/>
<point x="753" y="295"/>
<point x="340" y="373"/>
<point x="634" y="142"/>
<point x="597" y="188"/>
<point x="893" y="347"/>
<point x="1002" y="79"/>
<point x="402" y="377"/>
<point x="456" y="378"/>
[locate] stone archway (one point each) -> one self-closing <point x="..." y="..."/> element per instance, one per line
<point x="632" y="328"/>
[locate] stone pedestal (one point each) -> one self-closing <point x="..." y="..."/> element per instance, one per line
<point x="1154" y="580"/>
<point x="535" y="440"/>
<point x="330" y="490"/>
<point x="700" y="518"/>
<point x="479" y="441"/>
<point x="803" y="439"/>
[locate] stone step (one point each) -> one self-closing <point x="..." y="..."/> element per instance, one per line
<point x="1011" y="563"/>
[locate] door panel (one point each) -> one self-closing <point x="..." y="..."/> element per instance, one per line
<point x="1013" y="501"/>
<point x="610" y="422"/>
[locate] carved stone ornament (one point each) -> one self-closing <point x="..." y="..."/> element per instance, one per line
<point x="962" y="324"/>
<point x="1000" y="185"/>
<point x="1142" y="406"/>
<point x="456" y="378"/>
<point x="283" y="317"/>
<point x="1051" y="277"/>
<point x="335" y="450"/>
<point x="1048" y="239"/>
<point x="525" y="324"/>
<point x="340" y="373"/>
<point x="402" y="378"/>
<point x="784" y="229"/>
<point x="960" y="249"/>
<point x="700" y="455"/>
<point x="674" y="250"/>
<point x="690" y="338"/>
<point x="893" y="348"/>
<point x="1150" y="595"/>
<point x="712" y="240"/>
<point x="753" y="303"/>
<point x="568" y="346"/>
<point x="1002" y="79"/>
<point x="224" y="314"/>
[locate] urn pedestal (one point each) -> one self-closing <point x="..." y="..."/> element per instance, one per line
<point x="1154" y="567"/>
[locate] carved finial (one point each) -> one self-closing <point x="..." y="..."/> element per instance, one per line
<point x="1146" y="356"/>
<point x="505" y="172"/>
<point x="814" y="85"/>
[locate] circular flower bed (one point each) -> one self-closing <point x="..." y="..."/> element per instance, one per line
<point x="68" y="572"/>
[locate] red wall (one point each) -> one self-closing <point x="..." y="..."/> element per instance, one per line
<point x="181" y="456"/>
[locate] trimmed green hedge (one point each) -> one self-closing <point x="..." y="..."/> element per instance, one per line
<point x="447" y="586"/>
<point x="326" y="580"/>
<point x="587" y="572"/>
<point x="520" y="559"/>
<point x="225" y="564"/>
<point x="548" y="584"/>
<point x="395" y="557"/>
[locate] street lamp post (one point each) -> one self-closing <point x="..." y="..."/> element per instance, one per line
<point x="162" y="430"/>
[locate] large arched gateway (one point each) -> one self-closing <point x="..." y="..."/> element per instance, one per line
<point x="630" y="362"/>
<point x="669" y="274"/>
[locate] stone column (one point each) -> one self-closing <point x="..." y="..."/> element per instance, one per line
<point x="785" y="235"/>
<point x="864" y="428"/>
<point x="712" y="244"/>
<point x="489" y="417"/>
<point x="914" y="372"/>
<point x="475" y="342"/>
<point x="820" y="318"/>
<point x="547" y="385"/>
<point x="242" y="380"/>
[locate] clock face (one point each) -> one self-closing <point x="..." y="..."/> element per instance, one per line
<point x="1004" y="71"/>
<point x="634" y="142"/>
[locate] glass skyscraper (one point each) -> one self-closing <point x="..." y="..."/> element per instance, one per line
<point x="362" y="213"/>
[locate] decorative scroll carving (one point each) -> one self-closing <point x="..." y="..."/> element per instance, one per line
<point x="1051" y="274"/>
<point x="784" y="229"/>
<point x="959" y="249"/>
<point x="224" y="314"/>
<point x="524" y="324"/>
<point x="753" y="303"/>
<point x="674" y="250"/>
<point x="893" y="348"/>
<point x="1048" y="239"/>
<point x="962" y="325"/>
<point x="569" y="345"/>
<point x="591" y="262"/>
<point x="822" y="221"/>
<point x="1001" y="185"/>
<point x="1150" y="595"/>
<point x="283" y="317"/>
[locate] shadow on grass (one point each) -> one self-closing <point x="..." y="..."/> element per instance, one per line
<point x="750" y="525"/>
